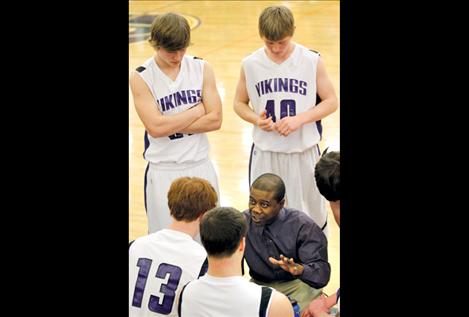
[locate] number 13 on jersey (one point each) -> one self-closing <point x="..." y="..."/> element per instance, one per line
<point x="168" y="289"/>
<point x="287" y="108"/>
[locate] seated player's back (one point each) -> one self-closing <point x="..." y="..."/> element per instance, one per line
<point x="160" y="264"/>
<point x="232" y="296"/>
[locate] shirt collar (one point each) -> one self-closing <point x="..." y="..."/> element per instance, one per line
<point x="279" y="219"/>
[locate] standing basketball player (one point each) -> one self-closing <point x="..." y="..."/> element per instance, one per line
<point x="290" y="92"/>
<point x="176" y="98"/>
<point x="161" y="263"/>
<point x="223" y="291"/>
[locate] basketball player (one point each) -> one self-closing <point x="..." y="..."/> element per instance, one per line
<point x="290" y="92"/>
<point x="176" y="98"/>
<point x="161" y="263"/>
<point x="223" y="291"/>
<point x="327" y="175"/>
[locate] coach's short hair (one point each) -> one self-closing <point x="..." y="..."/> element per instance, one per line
<point x="270" y="182"/>
<point x="170" y="31"/>
<point x="221" y="231"/>
<point x="190" y="197"/>
<point x="276" y="22"/>
<point x="327" y="175"/>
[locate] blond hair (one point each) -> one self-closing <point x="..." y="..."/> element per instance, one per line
<point x="276" y="23"/>
<point x="170" y="31"/>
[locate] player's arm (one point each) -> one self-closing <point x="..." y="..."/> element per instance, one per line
<point x="154" y="121"/>
<point x="280" y="306"/>
<point x="211" y="101"/>
<point x="329" y="103"/>
<point x="242" y="108"/>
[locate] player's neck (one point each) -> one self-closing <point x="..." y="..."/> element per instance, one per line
<point x="225" y="267"/>
<point x="170" y="70"/>
<point x="279" y="59"/>
<point x="335" y="207"/>
<point x="191" y="228"/>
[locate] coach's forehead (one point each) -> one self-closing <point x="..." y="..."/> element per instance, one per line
<point x="264" y="194"/>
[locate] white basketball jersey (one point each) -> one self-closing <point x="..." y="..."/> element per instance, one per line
<point x="283" y="90"/>
<point x="211" y="296"/>
<point x="160" y="264"/>
<point x="173" y="97"/>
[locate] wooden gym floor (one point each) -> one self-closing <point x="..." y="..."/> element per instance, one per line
<point x="223" y="33"/>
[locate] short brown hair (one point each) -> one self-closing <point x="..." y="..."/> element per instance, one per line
<point x="170" y="31"/>
<point x="221" y="231"/>
<point x="190" y="197"/>
<point x="276" y="23"/>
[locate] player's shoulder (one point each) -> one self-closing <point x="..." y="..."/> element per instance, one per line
<point x="193" y="287"/>
<point x="254" y="56"/>
<point x="144" y="67"/>
<point x="194" y="60"/>
<point x="280" y="305"/>
<point x="141" y="242"/>
<point x="308" y="51"/>
<point x="190" y="248"/>
<point x="198" y="251"/>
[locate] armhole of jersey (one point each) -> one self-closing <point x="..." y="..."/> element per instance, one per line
<point x="318" y="99"/>
<point x="266" y="297"/>
<point x="180" y="300"/>
<point x="204" y="268"/>
<point x="130" y="243"/>
<point x="140" y="69"/>
<point x="319" y="54"/>
<point x="242" y="266"/>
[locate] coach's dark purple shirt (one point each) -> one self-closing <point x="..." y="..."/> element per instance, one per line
<point x="295" y="235"/>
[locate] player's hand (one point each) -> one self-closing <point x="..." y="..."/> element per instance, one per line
<point x="288" y="125"/>
<point x="288" y="265"/>
<point x="305" y="313"/>
<point x="318" y="305"/>
<point x="265" y="123"/>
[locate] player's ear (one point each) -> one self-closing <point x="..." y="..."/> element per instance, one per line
<point x="200" y="217"/>
<point x="242" y="244"/>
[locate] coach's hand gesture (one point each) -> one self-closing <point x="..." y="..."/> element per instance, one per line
<point x="288" y="265"/>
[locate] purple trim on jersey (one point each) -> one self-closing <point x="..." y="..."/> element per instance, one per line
<point x="146" y="146"/>
<point x="338" y="295"/>
<point x="145" y="187"/>
<point x="325" y="224"/>
<point x="146" y="142"/>
<point x="266" y="293"/>
<point x="318" y="123"/>
<point x="180" y="300"/>
<point x="204" y="268"/>
<point x="250" y="161"/>
<point x="319" y="127"/>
